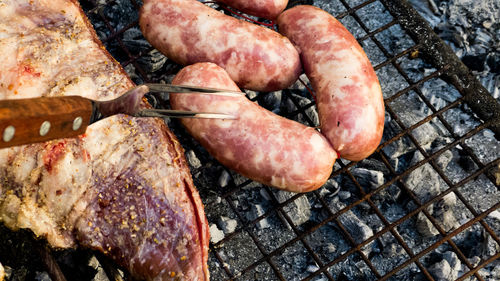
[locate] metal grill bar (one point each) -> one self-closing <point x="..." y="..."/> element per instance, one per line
<point x="398" y="177"/>
<point x="446" y="238"/>
<point x="393" y="232"/>
<point x="439" y="54"/>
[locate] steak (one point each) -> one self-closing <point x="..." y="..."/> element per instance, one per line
<point x="123" y="187"/>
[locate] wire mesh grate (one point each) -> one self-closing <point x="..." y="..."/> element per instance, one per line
<point x="266" y="253"/>
<point x="373" y="231"/>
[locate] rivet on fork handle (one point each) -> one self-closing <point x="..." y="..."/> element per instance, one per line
<point x="24" y="121"/>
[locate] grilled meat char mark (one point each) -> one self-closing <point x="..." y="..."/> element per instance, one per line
<point x="124" y="187"/>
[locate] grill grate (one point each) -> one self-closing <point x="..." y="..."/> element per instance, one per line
<point x="255" y="252"/>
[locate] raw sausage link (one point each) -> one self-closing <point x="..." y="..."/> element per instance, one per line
<point x="188" y="32"/>
<point x="259" y="144"/>
<point x="269" y="9"/>
<point x="350" y="102"/>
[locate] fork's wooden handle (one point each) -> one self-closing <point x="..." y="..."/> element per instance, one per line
<point x="25" y="121"/>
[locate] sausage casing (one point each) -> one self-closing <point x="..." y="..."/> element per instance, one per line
<point x="258" y="144"/>
<point x="186" y="31"/>
<point x="349" y="97"/>
<point x="269" y="9"/>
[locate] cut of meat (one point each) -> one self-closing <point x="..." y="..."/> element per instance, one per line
<point x="124" y="187"/>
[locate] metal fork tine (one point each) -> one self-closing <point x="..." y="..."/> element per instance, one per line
<point x="192" y="89"/>
<point x="182" y="114"/>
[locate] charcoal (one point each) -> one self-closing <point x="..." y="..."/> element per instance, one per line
<point x="474" y="261"/>
<point x="18" y="274"/>
<point x="299" y="210"/>
<point x="152" y="61"/>
<point x="42" y="276"/>
<point x="299" y="85"/>
<point x="373" y="164"/>
<point x="224" y="178"/>
<point x="312" y="114"/>
<point x="331" y="186"/>
<point x="330" y="248"/>
<point x="393" y="249"/>
<point x="101" y="274"/>
<point x="471" y="244"/>
<point x="358" y="229"/>
<point x="251" y="94"/>
<point x="460" y="12"/>
<point x="256" y="210"/>
<point x="399" y="147"/>
<point x="368" y="178"/>
<point x="444" y="214"/>
<point x="482" y="39"/>
<point x="475" y="62"/>
<point x="264" y="194"/>
<point x="344" y="195"/>
<point x="427" y="10"/>
<point x="228" y="225"/>
<point x="488" y="246"/>
<point x="334" y="7"/>
<point x="192" y="159"/>
<point x="271" y="101"/>
<point x="485" y="146"/>
<point x="471" y="28"/>
<point x="495" y="214"/>
<point x="394" y="211"/>
<point x="238" y="179"/>
<point x="493" y="61"/>
<point x="491" y="82"/>
<point x="133" y="39"/>
<point x="454" y="262"/>
<point x="441" y="271"/>
<point x="312" y="268"/>
<point x="425" y="227"/>
<point x="130" y="69"/>
<point x="495" y="272"/>
<point x="216" y="234"/>
<point x="423" y="181"/>
<point x="444" y="159"/>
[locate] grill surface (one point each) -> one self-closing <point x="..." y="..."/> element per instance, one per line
<point x="254" y="252"/>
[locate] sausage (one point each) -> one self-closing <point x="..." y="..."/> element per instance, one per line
<point x="269" y="9"/>
<point x="187" y="32"/>
<point x="259" y="144"/>
<point x="349" y="97"/>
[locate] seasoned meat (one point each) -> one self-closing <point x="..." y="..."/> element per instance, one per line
<point x="124" y="187"/>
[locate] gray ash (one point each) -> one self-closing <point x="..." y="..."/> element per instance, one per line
<point x="472" y="29"/>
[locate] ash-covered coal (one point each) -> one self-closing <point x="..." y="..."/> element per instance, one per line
<point x="472" y="29"/>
